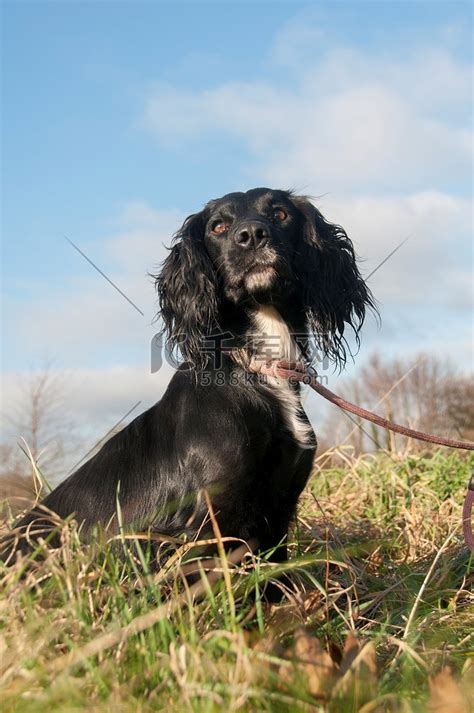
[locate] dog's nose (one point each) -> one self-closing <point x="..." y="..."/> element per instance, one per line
<point x="252" y="235"/>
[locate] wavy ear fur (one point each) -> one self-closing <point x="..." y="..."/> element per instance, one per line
<point x="187" y="296"/>
<point x="334" y="293"/>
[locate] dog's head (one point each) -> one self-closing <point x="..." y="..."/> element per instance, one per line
<point x="259" y="247"/>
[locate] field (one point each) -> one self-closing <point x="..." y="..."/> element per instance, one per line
<point x="377" y="611"/>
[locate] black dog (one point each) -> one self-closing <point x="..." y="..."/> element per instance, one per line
<point x="250" y="277"/>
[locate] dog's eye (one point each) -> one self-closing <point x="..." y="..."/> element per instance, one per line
<point x="279" y="214"/>
<point x="219" y="227"/>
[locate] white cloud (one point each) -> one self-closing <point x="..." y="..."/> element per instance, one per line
<point x="349" y="122"/>
<point x="435" y="262"/>
<point x="89" y="322"/>
<point x="143" y="236"/>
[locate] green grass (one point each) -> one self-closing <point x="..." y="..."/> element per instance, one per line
<point x="377" y="551"/>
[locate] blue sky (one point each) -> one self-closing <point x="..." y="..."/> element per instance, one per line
<point x="121" y="118"/>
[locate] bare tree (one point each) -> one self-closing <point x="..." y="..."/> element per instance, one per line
<point x="39" y="416"/>
<point x="39" y="433"/>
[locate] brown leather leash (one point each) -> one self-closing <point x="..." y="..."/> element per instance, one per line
<point x="297" y="371"/>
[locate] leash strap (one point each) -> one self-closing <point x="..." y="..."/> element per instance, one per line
<point x="467" y="514"/>
<point x="297" y="371"/>
<point x="291" y="370"/>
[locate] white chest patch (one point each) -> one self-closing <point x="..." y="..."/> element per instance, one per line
<point x="273" y="341"/>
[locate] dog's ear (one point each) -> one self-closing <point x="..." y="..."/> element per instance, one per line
<point x="187" y="292"/>
<point x="334" y="293"/>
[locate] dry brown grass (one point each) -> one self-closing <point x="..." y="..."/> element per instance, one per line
<point x="378" y="616"/>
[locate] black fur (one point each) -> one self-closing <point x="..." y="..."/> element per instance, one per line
<point x="217" y="427"/>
